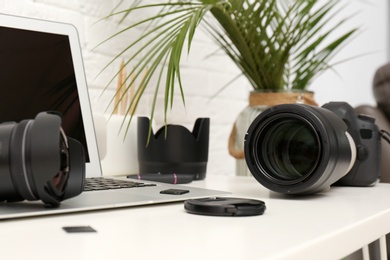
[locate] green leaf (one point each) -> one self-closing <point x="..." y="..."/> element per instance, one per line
<point x="276" y="44"/>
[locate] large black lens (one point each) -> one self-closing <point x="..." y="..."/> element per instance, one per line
<point x="298" y="149"/>
<point x="289" y="149"/>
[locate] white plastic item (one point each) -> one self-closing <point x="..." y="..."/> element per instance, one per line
<point x="121" y="147"/>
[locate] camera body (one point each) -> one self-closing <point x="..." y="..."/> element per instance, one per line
<point x="301" y="149"/>
<point x="366" y="135"/>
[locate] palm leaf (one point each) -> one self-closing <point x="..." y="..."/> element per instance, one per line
<point x="276" y="44"/>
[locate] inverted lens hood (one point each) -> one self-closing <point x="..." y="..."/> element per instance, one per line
<point x="174" y="149"/>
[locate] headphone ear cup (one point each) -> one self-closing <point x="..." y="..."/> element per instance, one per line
<point x="19" y="152"/>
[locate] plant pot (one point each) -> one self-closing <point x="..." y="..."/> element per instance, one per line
<point x="258" y="102"/>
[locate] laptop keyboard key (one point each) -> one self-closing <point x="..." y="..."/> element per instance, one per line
<point x="100" y="183"/>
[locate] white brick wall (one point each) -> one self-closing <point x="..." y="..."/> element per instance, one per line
<point x="203" y="77"/>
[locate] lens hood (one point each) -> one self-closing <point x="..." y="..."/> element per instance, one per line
<point x="173" y="148"/>
<point x="298" y="149"/>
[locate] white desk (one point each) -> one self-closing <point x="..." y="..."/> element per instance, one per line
<point x="323" y="226"/>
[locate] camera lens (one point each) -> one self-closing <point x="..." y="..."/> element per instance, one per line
<point x="290" y="149"/>
<point x="35" y="161"/>
<point x="298" y="149"/>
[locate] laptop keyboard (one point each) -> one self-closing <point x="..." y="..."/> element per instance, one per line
<point x="101" y="183"/>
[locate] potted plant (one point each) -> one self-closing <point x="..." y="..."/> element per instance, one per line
<point x="278" y="45"/>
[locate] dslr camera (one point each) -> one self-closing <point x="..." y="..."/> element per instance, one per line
<point x="302" y="149"/>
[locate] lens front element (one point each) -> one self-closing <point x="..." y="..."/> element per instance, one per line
<point x="289" y="149"/>
<point x="298" y="149"/>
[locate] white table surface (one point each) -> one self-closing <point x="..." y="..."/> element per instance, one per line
<point x="327" y="226"/>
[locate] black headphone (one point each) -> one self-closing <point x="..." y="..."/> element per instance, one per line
<point x="38" y="161"/>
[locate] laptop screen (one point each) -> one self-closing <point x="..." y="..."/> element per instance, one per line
<point x="37" y="74"/>
<point x="41" y="69"/>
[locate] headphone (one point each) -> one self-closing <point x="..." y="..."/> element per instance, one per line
<point x="38" y="161"/>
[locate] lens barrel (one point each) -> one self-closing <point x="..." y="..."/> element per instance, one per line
<point x="298" y="149"/>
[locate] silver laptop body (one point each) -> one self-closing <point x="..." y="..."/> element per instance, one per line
<point x="23" y="40"/>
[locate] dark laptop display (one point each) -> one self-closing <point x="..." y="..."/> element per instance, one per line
<point x="37" y="74"/>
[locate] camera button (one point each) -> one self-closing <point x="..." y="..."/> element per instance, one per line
<point x="362" y="153"/>
<point x="367" y="118"/>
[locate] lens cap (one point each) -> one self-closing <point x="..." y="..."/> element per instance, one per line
<point x="225" y="206"/>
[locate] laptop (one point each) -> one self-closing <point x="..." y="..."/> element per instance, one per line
<point x="41" y="69"/>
